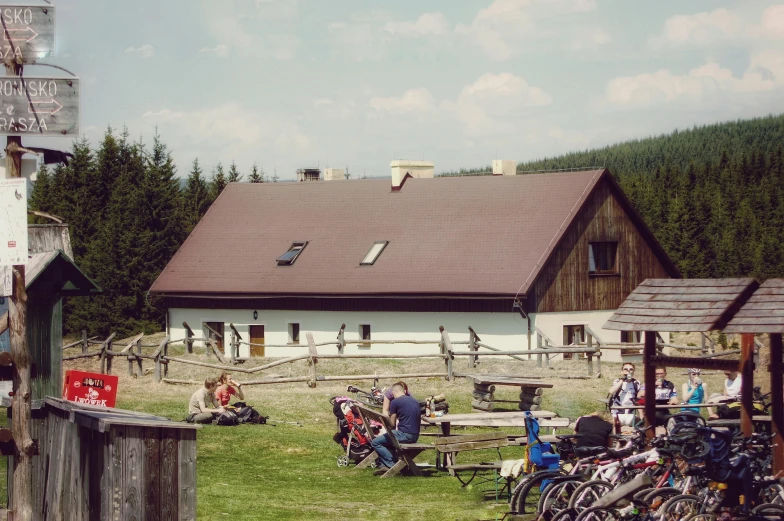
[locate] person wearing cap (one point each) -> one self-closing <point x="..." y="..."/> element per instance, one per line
<point x="694" y="390"/>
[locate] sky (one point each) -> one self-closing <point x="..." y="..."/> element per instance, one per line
<point x="290" y="84"/>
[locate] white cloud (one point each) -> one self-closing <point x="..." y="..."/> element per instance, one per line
<point x="145" y="51"/>
<point x="219" y="50"/>
<point x="721" y="27"/>
<point x="427" y="24"/>
<point x="411" y="100"/>
<point x="707" y="83"/>
<point x="330" y="109"/>
<point x="773" y="22"/>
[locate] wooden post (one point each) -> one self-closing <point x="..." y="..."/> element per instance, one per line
<point x="473" y="338"/>
<point x="108" y="354"/>
<point x="138" y="356"/>
<point x="777" y="400"/>
<point x="446" y="349"/>
<point x="589" y="354"/>
<point x="538" y="348"/>
<point x="648" y="352"/>
<point x="547" y="356"/>
<point x="747" y="382"/>
<point x="188" y="337"/>
<point x="21" y="402"/>
<point x="85" y="344"/>
<point x="234" y="345"/>
<point x="312" y="360"/>
<point x="165" y="355"/>
<point x="341" y="339"/>
<point x="704" y="349"/>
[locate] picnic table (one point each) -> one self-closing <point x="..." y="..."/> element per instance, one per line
<point x="530" y="391"/>
<point x="759" y="418"/>
<point x="493" y="419"/>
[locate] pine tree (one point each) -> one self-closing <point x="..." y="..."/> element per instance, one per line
<point x="217" y="183"/>
<point x="234" y="174"/>
<point x="41" y="197"/>
<point x="195" y="198"/>
<point x="255" y="176"/>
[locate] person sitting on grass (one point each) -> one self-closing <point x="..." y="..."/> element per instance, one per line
<point x="226" y="388"/>
<point x="404" y="411"/>
<point x="202" y="407"/>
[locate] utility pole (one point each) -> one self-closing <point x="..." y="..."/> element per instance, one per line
<point x="21" y="402"/>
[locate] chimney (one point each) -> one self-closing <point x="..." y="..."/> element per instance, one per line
<point x="504" y="167"/>
<point x="403" y="167"/>
<point x="334" y="174"/>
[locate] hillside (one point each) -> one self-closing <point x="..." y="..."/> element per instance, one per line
<point x="713" y="195"/>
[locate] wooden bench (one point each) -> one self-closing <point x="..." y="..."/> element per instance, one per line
<point x="450" y="446"/>
<point x="406" y="452"/>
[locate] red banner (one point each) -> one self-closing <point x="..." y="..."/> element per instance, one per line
<point x="90" y="388"/>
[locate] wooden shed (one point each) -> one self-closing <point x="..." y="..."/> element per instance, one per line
<point x="98" y="463"/>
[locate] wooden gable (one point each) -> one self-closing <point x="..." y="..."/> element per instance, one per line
<point x="565" y="284"/>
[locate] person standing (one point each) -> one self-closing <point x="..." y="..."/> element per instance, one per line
<point x="202" y="407"/>
<point x="227" y="388"/>
<point x="404" y="411"/>
<point x="694" y="390"/>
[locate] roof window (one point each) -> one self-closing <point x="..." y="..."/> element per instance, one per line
<point x="288" y="258"/>
<point x="374" y="252"/>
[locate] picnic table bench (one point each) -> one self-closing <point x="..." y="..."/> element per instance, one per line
<point x="450" y="446"/>
<point x="406" y="452"/>
<point x="530" y="392"/>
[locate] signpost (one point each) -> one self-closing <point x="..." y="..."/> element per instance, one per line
<point x="39" y="106"/>
<point x="13" y="221"/>
<point x="28" y="32"/>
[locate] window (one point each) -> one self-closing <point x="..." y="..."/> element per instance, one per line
<point x="293" y="333"/>
<point x="631" y="337"/>
<point x="288" y="258"/>
<point x="602" y="258"/>
<point x="374" y="252"/>
<point x="364" y="334"/>
<point x="572" y="335"/>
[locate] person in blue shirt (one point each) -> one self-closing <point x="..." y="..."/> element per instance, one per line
<point x="694" y="390"/>
<point x="404" y="411"/>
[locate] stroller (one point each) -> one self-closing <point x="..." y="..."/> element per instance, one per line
<point x="352" y="433"/>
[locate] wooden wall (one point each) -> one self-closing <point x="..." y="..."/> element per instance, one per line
<point x="564" y="283"/>
<point x="127" y="473"/>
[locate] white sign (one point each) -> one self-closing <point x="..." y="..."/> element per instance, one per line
<point x="13" y="221"/>
<point x="6" y="283"/>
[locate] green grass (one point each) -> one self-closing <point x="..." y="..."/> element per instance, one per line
<point x="255" y="472"/>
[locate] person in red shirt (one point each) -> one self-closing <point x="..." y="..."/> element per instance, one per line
<point x="226" y="388"/>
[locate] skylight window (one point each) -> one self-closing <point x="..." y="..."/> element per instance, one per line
<point x="288" y="258"/>
<point x="374" y="252"/>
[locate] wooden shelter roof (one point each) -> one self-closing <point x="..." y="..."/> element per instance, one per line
<point x="54" y="272"/>
<point x="763" y="312"/>
<point x="695" y="305"/>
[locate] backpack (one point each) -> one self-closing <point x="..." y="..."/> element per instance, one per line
<point x="247" y="414"/>
<point x="228" y="417"/>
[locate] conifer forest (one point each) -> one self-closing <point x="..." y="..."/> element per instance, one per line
<point x="712" y="195"/>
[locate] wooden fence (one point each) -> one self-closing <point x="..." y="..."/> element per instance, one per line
<point x="448" y="351"/>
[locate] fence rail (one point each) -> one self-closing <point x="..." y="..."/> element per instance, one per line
<point x="134" y="352"/>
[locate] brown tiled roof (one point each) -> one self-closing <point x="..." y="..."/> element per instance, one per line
<point x="682" y="305"/>
<point x="763" y="312"/>
<point x="482" y="236"/>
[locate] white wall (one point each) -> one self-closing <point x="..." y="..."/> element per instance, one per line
<point x="507" y="331"/>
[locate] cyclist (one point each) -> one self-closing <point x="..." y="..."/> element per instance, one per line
<point x="694" y="390"/>
<point x="664" y="394"/>
<point x="388" y="396"/>
<point x="624" y="392"/>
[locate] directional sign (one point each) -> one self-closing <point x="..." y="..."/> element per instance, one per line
<point x="28" y="32"/>
<point x="39" y="106"/>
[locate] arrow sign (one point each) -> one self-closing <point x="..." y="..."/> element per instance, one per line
<point x="28" y="32"/>
<point x="16" y="34"/>
<point x="39" y="106"/>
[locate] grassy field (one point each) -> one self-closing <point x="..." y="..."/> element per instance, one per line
<point x="252" y="472"/>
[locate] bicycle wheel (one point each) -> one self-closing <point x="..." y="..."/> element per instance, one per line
<point x="599" y="514"/>
<point x="588" y="492"/>
<point x="556" y="496"/>
<point x="700" y="517"/>
<point x="773" y="493"/>
<point x="567" y="514"/>
<point x="656" y="498"/>
<point x="679" y="507"/>
<point x="525" y="498"/>
<point x="769" y="511"/>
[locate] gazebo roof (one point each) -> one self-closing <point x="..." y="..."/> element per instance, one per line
<point x="690" y="305"/>
<point x="763" y="312"/>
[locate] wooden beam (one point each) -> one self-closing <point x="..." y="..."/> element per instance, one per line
<point x="686" y="362"/>
<point x="648" y="356"/>
<point x="777" y="400"/>
<point x="747" y="383"/>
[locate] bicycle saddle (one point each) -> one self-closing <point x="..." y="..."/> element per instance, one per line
<point x="584" y="452"/>
<point x="568" y="436"/>
<point x="621" y="453"/>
